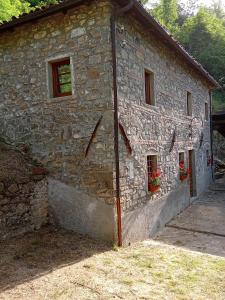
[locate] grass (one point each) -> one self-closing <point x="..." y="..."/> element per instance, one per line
<point x="62" y="266"/>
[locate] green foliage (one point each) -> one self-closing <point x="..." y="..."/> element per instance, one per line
<point x="167" y="14"/>
<point x="9" y="8"/>
<point x="218" y="101"/>
<point x="202" y="33"/>
<point x="38" y="3"/>
<point x="169" y="11"/>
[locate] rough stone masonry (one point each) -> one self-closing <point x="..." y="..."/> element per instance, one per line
<point x="81" y="183"/>
<point x="150" y="130"/>
<point x="23" y="193"/>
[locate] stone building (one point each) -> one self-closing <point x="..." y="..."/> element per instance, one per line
<point x="105" y="98"/>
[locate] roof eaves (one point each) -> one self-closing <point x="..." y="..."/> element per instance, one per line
<point x="40" y="13"/>
<point x="145" y="17"/>
<point x="173" y="43"/>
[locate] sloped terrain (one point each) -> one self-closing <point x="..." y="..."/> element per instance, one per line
<point x="23" y="192"/>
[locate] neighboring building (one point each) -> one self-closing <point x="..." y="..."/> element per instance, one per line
<point x="103" y="102"/>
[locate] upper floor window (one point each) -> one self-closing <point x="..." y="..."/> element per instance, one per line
<point x="189" y="104"/>
<point x="149" y="88"/>
<point x="206" y="111"/>
<point x="61" y="78"/>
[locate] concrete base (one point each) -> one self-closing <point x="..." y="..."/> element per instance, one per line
<point x="74" y="210"/>
<point x="147" y="220"/>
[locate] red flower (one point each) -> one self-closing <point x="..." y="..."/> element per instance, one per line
<point x="182" y="165"/>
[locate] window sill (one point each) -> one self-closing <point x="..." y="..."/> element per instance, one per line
<point x="150" y="107"/>
<point x="59" y="99"/>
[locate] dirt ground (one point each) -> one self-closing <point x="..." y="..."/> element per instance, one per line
<point x="52" y="264"/>
<point x="186" y="261"/>
<point x="201" y="227"/>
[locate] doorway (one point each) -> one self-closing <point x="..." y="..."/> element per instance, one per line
<point x="192" y="182"/>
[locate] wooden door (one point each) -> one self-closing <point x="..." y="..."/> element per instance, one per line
<point x="192" y="181"/>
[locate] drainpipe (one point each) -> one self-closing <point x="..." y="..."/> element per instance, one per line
<point x="211" y="135"/>
<point x="116" y="13"/>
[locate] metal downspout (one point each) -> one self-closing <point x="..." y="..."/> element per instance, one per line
<point x="116" y="118"/>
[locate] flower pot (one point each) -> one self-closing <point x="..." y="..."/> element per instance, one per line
<point x="154" y="188"/>
<point x="183" y="177"/>
<point x="209" y="162"/>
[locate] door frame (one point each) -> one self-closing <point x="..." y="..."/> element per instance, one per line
<point x="192" y="168"/>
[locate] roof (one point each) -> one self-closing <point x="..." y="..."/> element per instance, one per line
<point x="136" y="10"/>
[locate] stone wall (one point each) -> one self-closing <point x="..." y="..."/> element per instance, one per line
<point x="58" y="130"/>
<point x="23" y="193"/>
<point x="150" y="129"/>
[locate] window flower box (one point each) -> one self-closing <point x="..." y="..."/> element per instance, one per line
<point x="183" y="171"/>
<point x="155" y="182"/>
<point x="209" y="161"/>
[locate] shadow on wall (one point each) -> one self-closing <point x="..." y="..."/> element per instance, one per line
<point x="144" y="222"/>
<point x="23" y="259"/>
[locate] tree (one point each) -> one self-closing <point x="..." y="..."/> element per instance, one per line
<point x="9" y="8"/>
<point x="38" y="3"/>
<point x="167" y="13"/>
<point x="218" y="9"/>
<point x="186" y="9"/>
<point x="203" y="35"/>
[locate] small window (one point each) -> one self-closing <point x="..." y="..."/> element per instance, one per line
<point x="208" y="157"/>
<point x="181" y="157"/>
<point x="189" y="104"/>
<point x="61" y="78"/>
<point x="206" y="111"/>
<point x="183" y="171"/>
<point x="149" y="88"/>
<point x="151" y="167"/>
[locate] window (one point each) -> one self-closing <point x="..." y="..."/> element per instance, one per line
<point x="183" y="170"/>
<point x="151" y="167"/>
<point x="149" y="88"/>
<point x="181" y="164"/>
<point x="206" y="111"/>
<point x="181" y="157"/>
<point x="61" y="78"/>
<point x="189" y="104"/>
<point x="208" y="157"/>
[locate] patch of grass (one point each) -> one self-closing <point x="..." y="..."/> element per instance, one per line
<point x="153" y="271"/>
<point x="108" y="261"/>
<point x="127" y="281"/>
